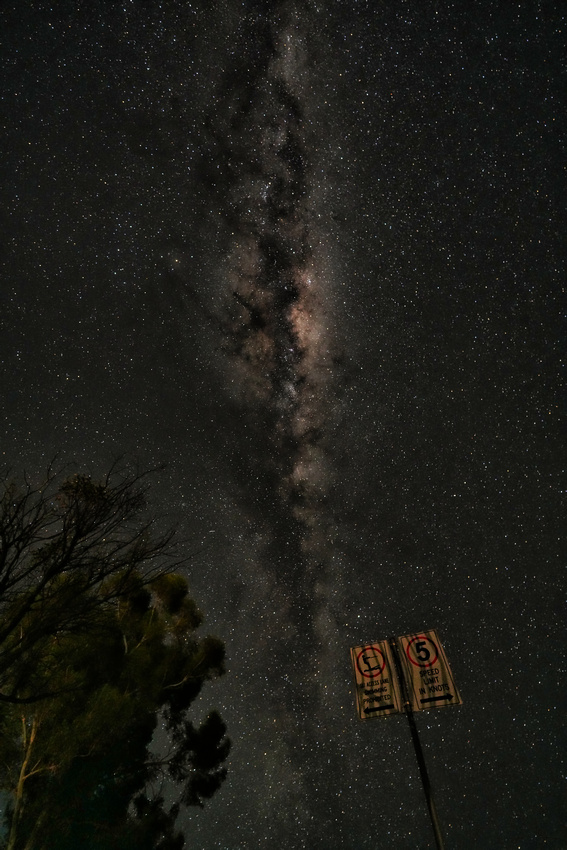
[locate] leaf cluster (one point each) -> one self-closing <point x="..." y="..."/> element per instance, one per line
<point x="66" y="550"/>
<point x="98" y="644"/>
<point x="91" y="757"/>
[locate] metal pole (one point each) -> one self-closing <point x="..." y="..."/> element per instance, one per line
<point x="418" y="750"/>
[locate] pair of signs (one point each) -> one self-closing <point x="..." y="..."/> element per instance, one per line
<point x="427" y="678"/>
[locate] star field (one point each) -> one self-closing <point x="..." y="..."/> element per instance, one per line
<point x="310" y="257"/>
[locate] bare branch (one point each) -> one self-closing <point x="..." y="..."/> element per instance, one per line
<point x="68" y="547"/>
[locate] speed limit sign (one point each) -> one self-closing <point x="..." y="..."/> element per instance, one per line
<point x="428" y="677"/>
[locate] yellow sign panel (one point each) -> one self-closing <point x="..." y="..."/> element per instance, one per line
<point x="377" y="689"/>
<point x="427" y="674"/>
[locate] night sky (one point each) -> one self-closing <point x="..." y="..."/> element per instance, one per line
<point x="308" y="255"/>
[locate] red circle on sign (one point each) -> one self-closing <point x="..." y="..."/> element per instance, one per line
<point x="372" y="672"/>
<point x="422" y="662"/>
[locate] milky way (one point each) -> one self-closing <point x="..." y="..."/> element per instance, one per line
<point x="282" y="361"/>
<point x="281" y="348"/>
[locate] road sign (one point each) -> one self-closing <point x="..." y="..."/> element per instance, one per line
<point x="407" y="674"/>
<point x="427" y="674"/>
<point x="377" y="688"/>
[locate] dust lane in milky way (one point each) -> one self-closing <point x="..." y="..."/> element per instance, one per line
<point x="282" y="356"/>
<point x="275" y="323"/>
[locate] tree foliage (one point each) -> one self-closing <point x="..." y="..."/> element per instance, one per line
<point x="105" y="649"/>
<point x="66" y="550"/>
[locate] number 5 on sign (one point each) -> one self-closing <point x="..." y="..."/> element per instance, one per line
<point x="427" y="673"/>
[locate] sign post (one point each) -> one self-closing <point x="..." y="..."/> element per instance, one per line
<point x="406" y="674"/>
<point x="427" y="789"/>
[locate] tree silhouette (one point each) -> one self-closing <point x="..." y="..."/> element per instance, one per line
<point x="66" y="550"/>
<point x="101" y="647"/>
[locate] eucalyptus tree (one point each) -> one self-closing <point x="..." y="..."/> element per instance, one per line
<point x="100" y="664"/>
